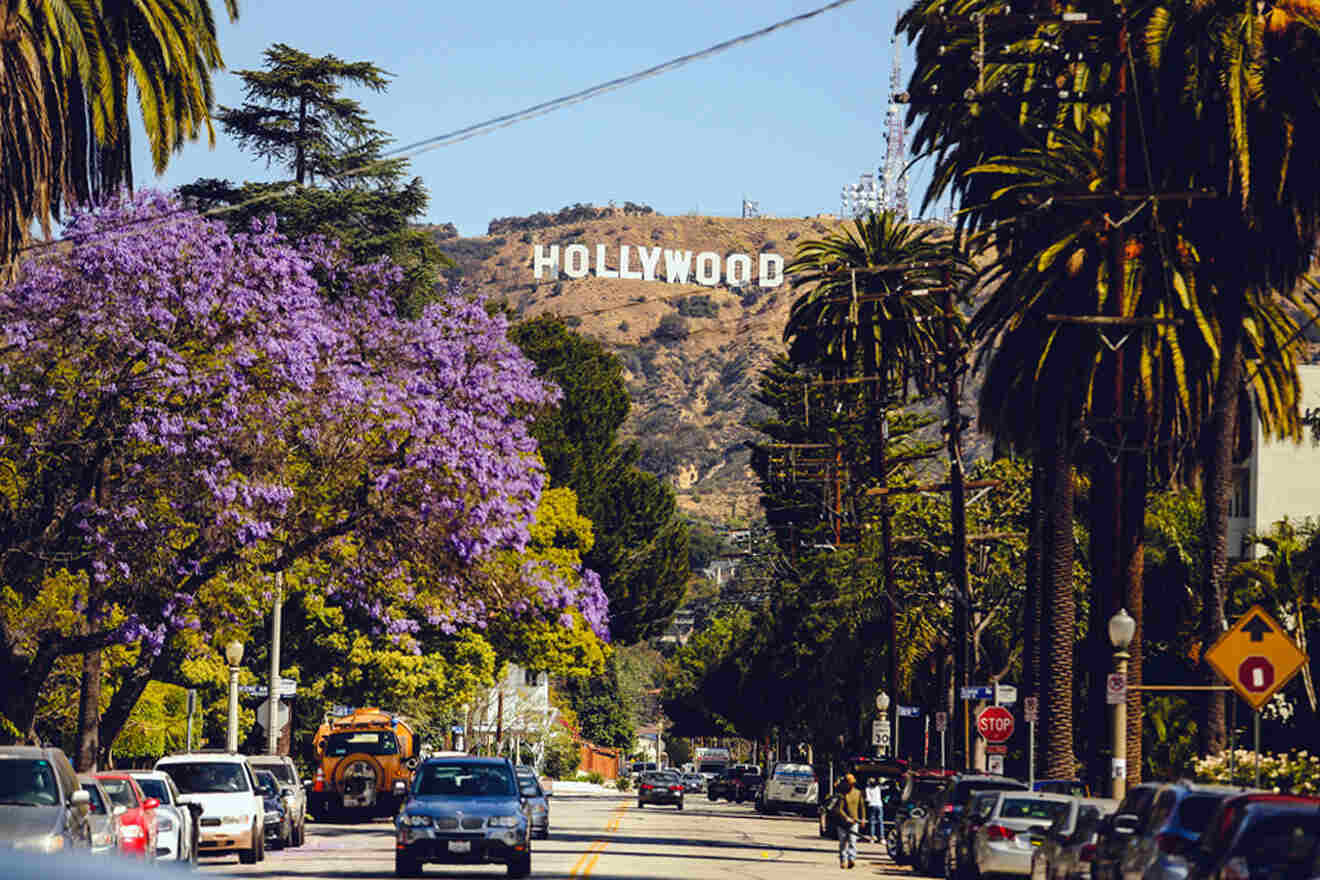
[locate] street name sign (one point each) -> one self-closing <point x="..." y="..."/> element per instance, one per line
<point x="1256" y="657"/>
<point x="978" y="692"/>
<point x="995" y="723"/>
<point x="909" y="711"/>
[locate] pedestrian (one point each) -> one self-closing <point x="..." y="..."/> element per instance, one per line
<point x="875" y="808"/>
<point x="848" y="807"/>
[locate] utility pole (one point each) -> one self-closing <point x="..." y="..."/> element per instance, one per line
<point x="273" y="725"/>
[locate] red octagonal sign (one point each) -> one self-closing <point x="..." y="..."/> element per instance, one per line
<point x="1256" y="674"/>
<point x="995" y="723"/>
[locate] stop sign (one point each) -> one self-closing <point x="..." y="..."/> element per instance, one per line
<point x="995" y="723"/>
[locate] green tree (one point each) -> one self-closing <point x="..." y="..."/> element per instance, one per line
<point x="603" y="716"/>
<point x="641" y="548"/>
<point x="296" y="118"/>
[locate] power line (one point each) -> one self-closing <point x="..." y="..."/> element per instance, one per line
<point x="471" y="131"/>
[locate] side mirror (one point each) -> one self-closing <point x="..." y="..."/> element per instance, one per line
<point x="307" y="784"/>
<point x="80" y="800"/>
<point x="195" y="809"/>
<point x="287" y="791"/>
<point x="150" y="804"/>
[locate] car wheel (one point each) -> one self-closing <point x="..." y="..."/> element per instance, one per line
<point x="405" y="866"/>
<point x="252" y="854"/>
<point x="640" y="804"/>
<point x="521" y="866"/>
<point x="300" y="832"/>
<point x="261" y="844"/>
<point x="680" y="804"/>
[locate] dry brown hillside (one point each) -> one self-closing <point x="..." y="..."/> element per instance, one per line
<point x="691" y="397"/>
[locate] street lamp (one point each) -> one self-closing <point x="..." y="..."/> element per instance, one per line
<point x="882" y="704"/>
<point x="1121" y="630"/>
<point x="234" y="654"/>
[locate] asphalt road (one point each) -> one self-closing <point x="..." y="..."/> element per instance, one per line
<point x="601" y="838"/>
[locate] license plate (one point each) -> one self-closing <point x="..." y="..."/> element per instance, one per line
<point x="460" y="846"/>
<point x="801" y="789"/>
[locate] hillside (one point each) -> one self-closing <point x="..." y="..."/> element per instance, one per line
<point x="692" y="352"/>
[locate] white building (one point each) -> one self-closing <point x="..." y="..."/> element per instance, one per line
<point x="514" y="712"/>
<point x="1278" y="478"/>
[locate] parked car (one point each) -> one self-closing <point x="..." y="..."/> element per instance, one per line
<point x="277" y="824"/>
<point x="1171" y="831"/>
<point x="660" y="787"/>
<point x="960" y="858"/>
<point x="945" y="810"/>
<point x="920" y="788"/>
<point x="1068" y="849"/>
<point x="101" y="815"/>
<point x="137" y="814"/>
<point x="233" y="813"/>
<point x="42" y="806"/>
<point x="1071" y="787"/>
<point x="738" y="783"/>
<point x="538" y="801"/>
<point x="176" y="822"/>
<point x="463" y="810"/>
<point x="1016" y="825"/>
<point x="292" y="791"/>
<point x="1260" y="836"/>
<point x="694" y="783"/>
<point x="790" y="787"/>
<point x="1116" y="831"/>
<point x="637" y="768"/>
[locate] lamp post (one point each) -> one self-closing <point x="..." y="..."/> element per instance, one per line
<point x="882" y="704"/>
<point x="1121" y="630"/>
<point x="234" y="654"/>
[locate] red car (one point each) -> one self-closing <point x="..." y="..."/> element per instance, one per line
<point x="137" y="814"/>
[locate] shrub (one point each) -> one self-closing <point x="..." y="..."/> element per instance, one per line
<point x="1293" y="772"/>
<point x="526" y="238"/>
<point x="623" y="783"/>
<point x="593" y="777"/>
<point x="673" y="328"/>
<point x="656" y="235"/>
<point x="572" y="321"/>
<point x="698" y="306"/>
<point x="623" y="326"/>
<point x="562" y="756"/>
<point x="793" y="236"/>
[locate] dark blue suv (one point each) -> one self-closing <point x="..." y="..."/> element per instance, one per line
<point x="463" y="811"/>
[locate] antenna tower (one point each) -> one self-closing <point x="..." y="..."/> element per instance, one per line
<point x="893" y="175"/>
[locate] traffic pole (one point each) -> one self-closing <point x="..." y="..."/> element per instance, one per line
<point x="1031" y="754"/>
<point x="273" y="687"/>
<point x="1255" y="723"/>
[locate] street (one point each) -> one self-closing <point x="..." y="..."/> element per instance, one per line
<point x="598" y="837"/>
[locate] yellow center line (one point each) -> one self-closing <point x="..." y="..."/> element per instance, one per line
<point x="587" y="861"/>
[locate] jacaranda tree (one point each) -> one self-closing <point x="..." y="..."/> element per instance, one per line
<point x="185" y="406"/>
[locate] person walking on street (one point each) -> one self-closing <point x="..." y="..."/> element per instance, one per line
<point x="848" y="810"/>
<point x="875" y="809"/>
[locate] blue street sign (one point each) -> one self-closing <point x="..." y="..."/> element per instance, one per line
<point x="457" y="728"/>
<point x="978" y="692"/>
<point x="909" y="711"/>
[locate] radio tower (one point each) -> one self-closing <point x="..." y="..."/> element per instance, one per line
<point x="893" y="175"/>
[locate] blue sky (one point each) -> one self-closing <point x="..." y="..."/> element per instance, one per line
<point x="786" y="120"/>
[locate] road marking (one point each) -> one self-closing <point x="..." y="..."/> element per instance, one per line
<point x="587" y="861"/>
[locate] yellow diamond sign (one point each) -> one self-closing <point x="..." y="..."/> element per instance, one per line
<point x="1256" y="657"/>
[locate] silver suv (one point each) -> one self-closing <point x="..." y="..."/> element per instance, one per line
<point x="291" y="790"/>
<point x="42" y="805"/>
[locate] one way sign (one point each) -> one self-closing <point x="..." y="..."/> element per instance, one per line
<point x="1256" y="657"/>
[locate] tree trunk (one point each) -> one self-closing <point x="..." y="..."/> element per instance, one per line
<point x="1031" y="605"/>
<point x="89" y="713"/>
<point x="19" y="700"/>
<point x="1060" y="624"/>
<point x="1217" y="490"/>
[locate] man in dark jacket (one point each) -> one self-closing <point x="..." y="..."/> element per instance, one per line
<point x="849" y="809"/>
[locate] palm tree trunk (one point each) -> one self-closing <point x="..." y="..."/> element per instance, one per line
<point x="1059" y="626"/>
<point x="1031" y="605"/>
<point x="1217" y="490"/>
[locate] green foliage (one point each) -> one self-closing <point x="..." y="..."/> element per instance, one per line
<point x="295" y="117"/>
<point x="698" y="305"/>
<point x="603" y="716"/>
<point x="672" y="329"/>
<point x="679" y="750"/>
<point x="1294" y="773"/>
<point x="623" y="783"/>
<point x="641" y="545"/>
<point x="562" y="755"/>
<point x="594" y="778"/>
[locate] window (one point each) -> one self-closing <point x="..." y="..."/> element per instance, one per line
<point x="28" y="781"/>
<point x="154" y="788"/>
<point x="366" y="742"/>
<point x="1240" y="504"/>
<point x="98" y="805"/>
<point x="267" y="785"/>
<point x="1033" y="808"/>
<point x="121" y="792"/>
<point x="464" y="780"/>
<point x="279" y="771"/>
<point x="531" y="677"/>
<point x="1194" y="812"/>
<point x="207" y="777"/>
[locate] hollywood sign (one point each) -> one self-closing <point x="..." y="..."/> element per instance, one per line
<point x="705" y="267"/>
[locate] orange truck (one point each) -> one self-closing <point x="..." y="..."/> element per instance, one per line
<point x="365" y="764"/>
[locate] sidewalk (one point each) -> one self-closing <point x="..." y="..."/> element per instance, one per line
<point x="572" y="788"/>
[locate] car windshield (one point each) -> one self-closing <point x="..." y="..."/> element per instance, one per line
<point x="794" y="771"/>
<point x="1032" y="808"/>
<point x="1062" y="786"/>
<point x="925" y="789"/>
<point x="366" y="742"/>
<point x="660" y="777"/>
<point x="464" y="780"/>
<point x="279" y="771"/>
<point x="207" y="777"/>
<point x="120" y="791"/>
<point x="1195" y="811"/>
<point x="97" y="806"/>
<point x="528" y="786"/>
<point x="28" y="781"/>
<point x="964" y="789"/>
<point x="155" y="788"/>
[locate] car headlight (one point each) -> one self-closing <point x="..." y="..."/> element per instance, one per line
<point x="415" y="820"/>
<point x="47" y="843"/>
<point x="235" y="820"/>
<point x="131" y="832"/>
<point x="273" y="816"/>
<point x="538" y="810"/>
<point x="105" y="838"/>
<point x="164" y="823"/>
<point x="503" y="821"/>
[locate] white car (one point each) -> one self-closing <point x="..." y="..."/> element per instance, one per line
<point x="790" y="787"/>
<point x="176" y="822"/>
<point x="1013" y="830"/>
<point x="233" y="813"/>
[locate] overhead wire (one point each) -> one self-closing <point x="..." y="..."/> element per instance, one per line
<point x="470" y="131"/>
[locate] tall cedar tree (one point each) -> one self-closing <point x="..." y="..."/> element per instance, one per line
<point x="641" y="550"/>
<point x="295" y="118"/>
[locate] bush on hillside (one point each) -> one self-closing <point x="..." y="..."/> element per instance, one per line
<point x="698" y="306"/>
<point x="673" y="328"/>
